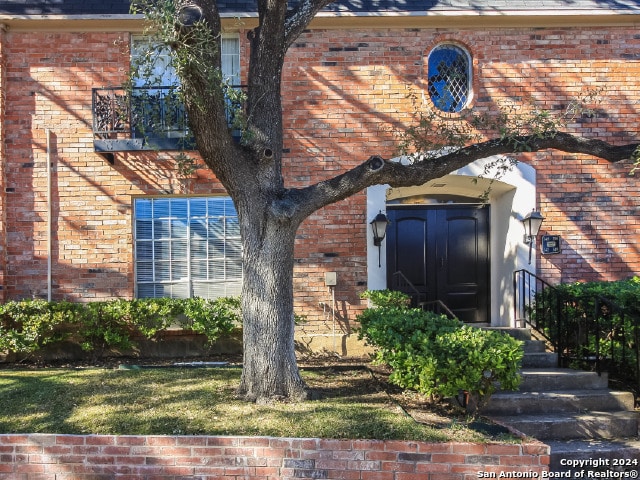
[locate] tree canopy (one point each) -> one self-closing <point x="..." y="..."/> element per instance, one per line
<point x="251" y="170"/>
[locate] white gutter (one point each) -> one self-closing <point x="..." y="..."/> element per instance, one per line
<point x="458" y="12"/>
<point x="435" y="12"/>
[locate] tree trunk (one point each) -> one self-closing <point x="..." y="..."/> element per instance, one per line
<point x="270" y="371"/>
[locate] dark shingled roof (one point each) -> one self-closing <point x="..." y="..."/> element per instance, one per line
<point x="358" y="7"/>
<point x="64" y="7"/>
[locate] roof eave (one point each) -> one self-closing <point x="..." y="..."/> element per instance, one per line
<point x="480" y="19"/>
<point x="336" y="20"/>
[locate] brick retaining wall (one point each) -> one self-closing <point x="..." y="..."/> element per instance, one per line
<point x="101" y="457"/>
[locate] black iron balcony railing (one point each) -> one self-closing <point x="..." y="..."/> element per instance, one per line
<point x="146" y="118"/>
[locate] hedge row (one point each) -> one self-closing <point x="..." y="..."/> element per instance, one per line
<point x="29" y="325"/>
<point x="624" y="293"/>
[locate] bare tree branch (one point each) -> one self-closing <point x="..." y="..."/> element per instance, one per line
<point x="299" y="18"/>
<point x="377" y="171"/>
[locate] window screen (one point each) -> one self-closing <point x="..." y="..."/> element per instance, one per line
<point x="187" y="247"/>
<point x="449" y="78"/>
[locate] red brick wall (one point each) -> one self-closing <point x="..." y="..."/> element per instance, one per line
<point x="594" y="207"/>
<point x="92" y="245"/>
<point x="67" y="457"/>
<point x="344" y="92"/>
<point x="49" y="80"/>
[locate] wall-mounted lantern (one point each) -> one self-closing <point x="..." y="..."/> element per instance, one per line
<point x="379" y="227"/>
<point x="532" y="222"/>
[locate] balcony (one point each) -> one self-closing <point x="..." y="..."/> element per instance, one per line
<point x="145" y="119"/>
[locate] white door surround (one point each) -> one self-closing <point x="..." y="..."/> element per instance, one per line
<point x="511" y="198"/>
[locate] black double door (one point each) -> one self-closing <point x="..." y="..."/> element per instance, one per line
<point x="444" y="253"/>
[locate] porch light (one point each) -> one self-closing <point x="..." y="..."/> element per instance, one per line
<point x="532" y="222"/>
<point x="379" y="227"/>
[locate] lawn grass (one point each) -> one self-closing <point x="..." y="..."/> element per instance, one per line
<point x="181" y="401"/>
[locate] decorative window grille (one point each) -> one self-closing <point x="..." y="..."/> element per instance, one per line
<point x="449" y="78"/>
<point x="187" y="247"/>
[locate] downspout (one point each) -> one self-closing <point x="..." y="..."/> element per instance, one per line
<point x="3" y="162"/>
<point x="49" y="217"/>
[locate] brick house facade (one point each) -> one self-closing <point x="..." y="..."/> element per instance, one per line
<point x="70" y="232"/>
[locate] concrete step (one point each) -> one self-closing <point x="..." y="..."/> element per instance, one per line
<point x="563" y="405"/>
<point x="540" y="360"/>
<point x="600" y="455"/>
<point x="604" y="425"/>
<point x="557" y="379"/>
<point x="534" y="346"/>
<point x="569" y="401"/>
<point x="523" y="334"/>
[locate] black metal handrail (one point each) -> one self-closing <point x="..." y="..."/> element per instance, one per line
<point x="588" y="332"/>
<point x="617" y="341"/>
<point x="534" y="307"/>
<point x="400" y="282"/>
<point x="439" y="307"/>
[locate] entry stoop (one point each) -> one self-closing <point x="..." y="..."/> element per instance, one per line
<point x="573" y="411"/>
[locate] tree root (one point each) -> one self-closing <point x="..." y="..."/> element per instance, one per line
<point x="296" y="395"/>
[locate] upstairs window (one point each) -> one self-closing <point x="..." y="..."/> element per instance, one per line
<point x="152" y="116"/>
<point x="230" y="57"/>
<point x="157" y="70"/>
<point x="449" y="78"/>
<point x="157" y="112"/>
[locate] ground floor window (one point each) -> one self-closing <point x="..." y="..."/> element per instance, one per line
<point x="187" y="247"/>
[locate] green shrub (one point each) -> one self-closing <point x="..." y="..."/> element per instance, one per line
<point x="28" y="325"/>
<point x="212" y="317"/>
<point x="387" y="298"/>
<point x="153" y="315"/>
<point x="578" y="300"/>
<point x="478" y="361"/>
<point x="568" y="314"/>
<point x="625" y="293"/>
<point x="439" y="356"/>
<point x="103" y="325"/>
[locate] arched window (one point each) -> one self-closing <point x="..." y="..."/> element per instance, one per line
<point x="449" y="78"/>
